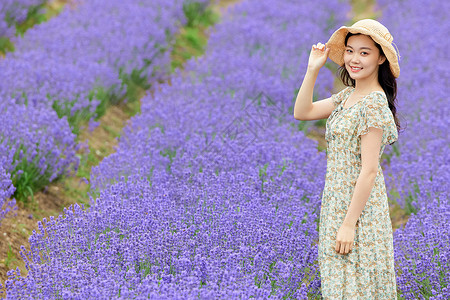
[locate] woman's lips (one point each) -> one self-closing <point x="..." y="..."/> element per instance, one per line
<point x="355" y="69"/>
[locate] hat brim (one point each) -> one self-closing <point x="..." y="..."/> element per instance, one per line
<point x="337" y="47"/>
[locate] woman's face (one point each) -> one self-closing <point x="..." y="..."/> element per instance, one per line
<point x="362" y="57"/>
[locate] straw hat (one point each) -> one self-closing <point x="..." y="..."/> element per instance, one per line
<point x="377" y="31"/>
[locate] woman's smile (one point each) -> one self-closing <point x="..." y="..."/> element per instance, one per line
<point x="355" y="69"/>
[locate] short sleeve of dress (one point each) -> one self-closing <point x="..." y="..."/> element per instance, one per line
<point x="338" y="97"/>
<point x="376" y="113"/>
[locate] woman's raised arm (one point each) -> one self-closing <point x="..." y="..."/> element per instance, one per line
<point x="304" y="108"/>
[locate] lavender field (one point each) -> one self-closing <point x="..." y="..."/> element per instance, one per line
<point x="213" y="189"/>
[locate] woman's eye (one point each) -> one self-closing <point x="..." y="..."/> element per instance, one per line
<point x="348" y="50"/>
<point x="364" y="52"/>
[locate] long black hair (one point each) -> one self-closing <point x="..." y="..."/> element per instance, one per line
<point x="385" y="77"/>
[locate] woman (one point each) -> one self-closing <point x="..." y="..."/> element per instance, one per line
<point x="356" y="256"/>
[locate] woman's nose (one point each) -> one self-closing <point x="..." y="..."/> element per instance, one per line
<point x="355" y="58"/>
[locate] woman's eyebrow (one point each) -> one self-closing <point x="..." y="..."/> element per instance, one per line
<point x="360" y="48"/>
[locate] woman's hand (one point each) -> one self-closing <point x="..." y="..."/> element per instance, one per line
<point x="345" y="238"/>
<point x="318" y="56"/>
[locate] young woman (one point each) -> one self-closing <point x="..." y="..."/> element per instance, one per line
<point x="356" y="256"/>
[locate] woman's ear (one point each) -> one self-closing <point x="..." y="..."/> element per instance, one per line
<point x="382" y="59"/>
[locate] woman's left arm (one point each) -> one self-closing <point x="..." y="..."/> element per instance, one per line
<point x="370" y="151"/>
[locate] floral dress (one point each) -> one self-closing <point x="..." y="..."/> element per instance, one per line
<point x="367" y="271"/>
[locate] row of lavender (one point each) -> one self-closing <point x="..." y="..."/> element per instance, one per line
<point x="212" y="192"/>
<point x="65" y="72"/>
<point x="35" y="148"/>
<point x="420" y="174"/>
<point x="16" y="12"/>
<point x="13" y="13"/>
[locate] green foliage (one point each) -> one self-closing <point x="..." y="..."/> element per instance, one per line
<point x="35" y="15"/>
<point x="409" y="200"/>
<point x="199" y="14"/>
<point x="302" y="126"/>
<point x="283" y="167"/>
<point x="320" y="123"/>
<point x="388" y="156"/>
<point x="262" y="172"/>
<point x="170" y="153"/>
<point x="6" y="45"/>
<point x="26" y="176"/>
<point x="135" y="83"/>
<point x="106" y="98"/>
<point x="408" y="208"/>
<point x="86" y="163"/>
<point x="75" y="119"/>
<point x="78" y="118"/>
<point x="191" y="40"/>
<point x="10" y="257"/>
<point x="194" y="40"/>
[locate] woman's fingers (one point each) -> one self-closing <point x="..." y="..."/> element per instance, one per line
<point x="343" y="248"/>
<point x="347" y="248"/>
<point x="340" y="246"/>
<point x="318" y="56"/>
<point x="319" y="46"/>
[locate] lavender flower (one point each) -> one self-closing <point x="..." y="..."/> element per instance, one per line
<point x="6" y="190"/>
